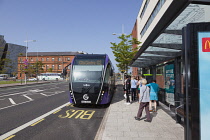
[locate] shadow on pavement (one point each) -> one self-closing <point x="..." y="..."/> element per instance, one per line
<point x="118" y="95"/>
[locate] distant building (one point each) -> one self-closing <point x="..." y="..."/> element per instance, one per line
<point x="2" y="45"/>
<point x="53" y="62"/>
<point x="135" y="70"/>
<point x="10" y="52"/>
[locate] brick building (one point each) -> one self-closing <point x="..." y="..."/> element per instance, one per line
<point x="135" y="70"/>
<point x="53" y="62"/>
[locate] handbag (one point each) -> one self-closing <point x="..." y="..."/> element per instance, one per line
<point x="125" y="96"/>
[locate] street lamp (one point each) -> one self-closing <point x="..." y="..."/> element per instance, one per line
<point x="122" y="31"/>
<point x="26" y="61"/>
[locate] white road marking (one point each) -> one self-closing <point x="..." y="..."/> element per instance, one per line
<point x="13" y="94"/>
<point x="12" y="101"/>
<point x="28" y="97"/>
<point x="22" y="92"/>
<point x="43" y="94"/>
<point x="36" y="90"/>
<point x="14" y="105"/>
<point x="30" y="123"/>
<point x="52" y="94"/>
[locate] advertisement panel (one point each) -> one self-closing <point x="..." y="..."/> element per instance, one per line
<point x="204" y="83"/>
<point x="169" y="83"/>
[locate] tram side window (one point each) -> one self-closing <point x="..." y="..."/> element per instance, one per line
<point x="107" y="75"/>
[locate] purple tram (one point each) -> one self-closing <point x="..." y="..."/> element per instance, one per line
<point x="92" y="79"/>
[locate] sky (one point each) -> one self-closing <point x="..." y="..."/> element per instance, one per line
<point x="67" y="25"/>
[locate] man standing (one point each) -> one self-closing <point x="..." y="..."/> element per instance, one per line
<point x="133" y="88"/>
<point x="127" y="87"/>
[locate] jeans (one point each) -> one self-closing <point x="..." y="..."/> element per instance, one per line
<point x="133" y="94"/>
<point x="127" y="95"/>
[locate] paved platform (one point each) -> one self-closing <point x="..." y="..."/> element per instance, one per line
<point x="119" y="123"/>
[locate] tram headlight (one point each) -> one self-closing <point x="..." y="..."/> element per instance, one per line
<point x="102" y="93"/>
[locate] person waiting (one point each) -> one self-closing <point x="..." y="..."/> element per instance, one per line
<point x="154" y="88"/>
<point x="133" y="88"/>
<point x="144" y="100"/>
<point x="127" y="88"/>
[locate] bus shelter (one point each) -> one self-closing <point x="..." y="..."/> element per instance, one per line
<point x="171" y="55"/>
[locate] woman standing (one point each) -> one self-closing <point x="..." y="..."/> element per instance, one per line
<point x="144" y="100"/>
<point x="153" y="95"/>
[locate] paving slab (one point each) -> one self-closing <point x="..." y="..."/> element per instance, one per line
<point x="119" y="123"/>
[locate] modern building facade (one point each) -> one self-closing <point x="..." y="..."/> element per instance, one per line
<point x="160" y="29"/>
<point x="2" y="46"/>
<point x="53" y="62"/>
<point x="10" y="52"/>
<point x="13" y="51"/>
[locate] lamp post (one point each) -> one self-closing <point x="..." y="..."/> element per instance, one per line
<point x="26" y="61"/>
<point x="122" y="31"/>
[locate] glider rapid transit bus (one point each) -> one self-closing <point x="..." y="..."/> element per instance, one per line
<point x="92" y="79"/>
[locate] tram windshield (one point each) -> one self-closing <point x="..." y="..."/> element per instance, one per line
<point x="87" y="73"/>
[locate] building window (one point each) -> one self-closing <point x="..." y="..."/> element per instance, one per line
<point x="144" y="9"/>
<point x="59" y="67"/>
<point x="47" y="59"/>
<point x="37" y="59"/>
<point x="152" y="16"/>
<point x="53" y="67"/>
<point x="59" y="59"/>
<point x="42" y="59"/>
<point x="21" y="60"/>
<point x="32" y="59"/>
<point x="47" y="67"/>
<point x="53" y="59"/>
<point x="68" y="59"/>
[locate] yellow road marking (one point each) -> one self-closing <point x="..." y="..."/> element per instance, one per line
<point x="82" y="114"/>
<point x="68" y="105"/>
<point x="56" y="111"/>
<point x="37" y="122"/>
<point x="9" y="137"/>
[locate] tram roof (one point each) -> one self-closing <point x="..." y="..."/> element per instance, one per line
<point x="91" y="55"/>
<point x="165" y="40"/>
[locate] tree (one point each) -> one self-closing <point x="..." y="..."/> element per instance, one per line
<point x="35" y="68"/>
<point x="39" y="67"/>
<point x="50" y="70"/>
<point x="32" y="69"/>
<point x="124" y="52"/>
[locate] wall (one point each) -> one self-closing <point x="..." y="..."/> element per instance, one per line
<point x="32" y="59"/>
<point x="13" y="52"/>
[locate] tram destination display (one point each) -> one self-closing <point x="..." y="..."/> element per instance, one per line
<point x="89" y="62"/>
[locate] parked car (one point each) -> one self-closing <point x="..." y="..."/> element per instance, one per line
<point x="32" y="79"/>
<point x="4" y="76"/>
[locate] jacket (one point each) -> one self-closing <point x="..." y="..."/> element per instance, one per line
<point x="144" y="94"/>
